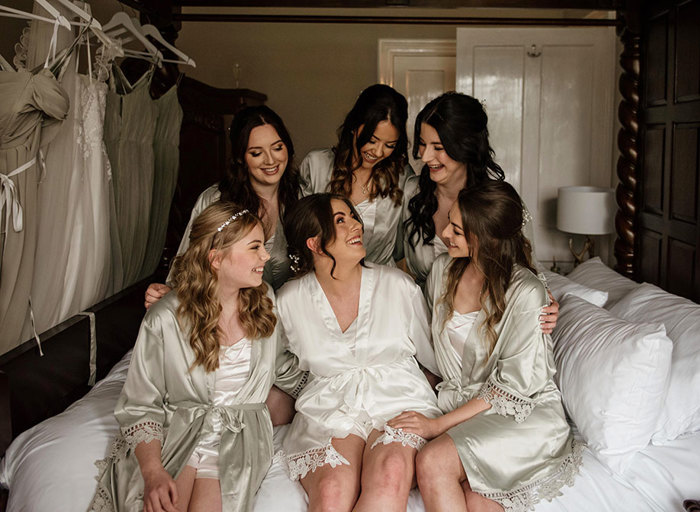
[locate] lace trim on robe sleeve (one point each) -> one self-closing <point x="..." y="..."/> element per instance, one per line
<point x="504" y="402"/>
<point x="145" y="431"/>
<point x="300" y="385"/>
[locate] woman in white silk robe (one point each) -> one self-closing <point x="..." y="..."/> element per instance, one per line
<point x="368" y="166"/>
<point x="194" y="426"/>
<point x="503" y="442"/>
<point x="452" y="140"/>
<point x="356" y="329"/>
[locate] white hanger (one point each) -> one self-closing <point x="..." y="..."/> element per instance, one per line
<point x="16" y="13"/>
<point x="6" y="66"/>
<point x="121" y="18"/>
<point x="151" y="30"/>
<point x="81" y="13"/>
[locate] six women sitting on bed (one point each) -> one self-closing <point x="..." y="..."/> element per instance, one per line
<point x="348" y="328"/>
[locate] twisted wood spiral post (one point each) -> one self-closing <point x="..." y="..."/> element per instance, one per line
<point x="627" y="143"/>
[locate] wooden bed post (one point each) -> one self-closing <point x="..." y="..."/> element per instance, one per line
<point x="628" y="139"/>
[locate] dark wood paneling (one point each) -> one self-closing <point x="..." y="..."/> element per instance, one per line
<point x="653" y="170"/>
<point x="539" y="4"/>
<point x="655" y="64"/>
<point x="684" y="173"/>
<point x="688" y="52"/>
<point x="669" y="216"/>
<point x="650" y="247"/>
<point x="681" y="267"/>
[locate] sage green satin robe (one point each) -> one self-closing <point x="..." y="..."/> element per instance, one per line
<point x="521" y="449"/>
<point x="162" y="399"/>
<point x="419" y="259"/>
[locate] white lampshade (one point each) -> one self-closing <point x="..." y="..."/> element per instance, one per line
<point x="586" y="210"/>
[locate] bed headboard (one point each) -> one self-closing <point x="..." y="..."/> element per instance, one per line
<point x="34" y="387"/>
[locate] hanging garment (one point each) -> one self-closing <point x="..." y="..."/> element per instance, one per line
<point x="31" y="108"/>
<point x="166" y="143"/>
<point x="130" y="122"/>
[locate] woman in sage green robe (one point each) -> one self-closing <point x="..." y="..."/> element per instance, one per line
<point x="170" y="398"/>
<point x="503" y="419"/>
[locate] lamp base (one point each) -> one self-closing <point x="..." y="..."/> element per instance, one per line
<point x="587" y="247"/>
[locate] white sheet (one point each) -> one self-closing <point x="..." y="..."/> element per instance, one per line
<point x="51" y="467"/>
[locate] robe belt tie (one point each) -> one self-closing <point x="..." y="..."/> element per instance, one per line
<point x="10" y="198"/>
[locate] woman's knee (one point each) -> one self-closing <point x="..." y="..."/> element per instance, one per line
<point x="335" y="493"/>
<point x="391" y="469"/>
<point x="432" y="462"/>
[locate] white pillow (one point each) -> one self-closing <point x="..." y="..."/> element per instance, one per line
<point x="596" y="274"/>
<point x="613" y="376"/>
<point x="681" y="317"/>
<point x="560" y="286"/>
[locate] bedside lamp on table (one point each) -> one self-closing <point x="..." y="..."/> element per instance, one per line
<point x="585" y="211"/>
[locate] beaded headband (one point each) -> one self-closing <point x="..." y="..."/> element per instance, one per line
<point x="231" y="219"/>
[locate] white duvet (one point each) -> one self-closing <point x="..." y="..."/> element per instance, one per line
<point x="51" y="467"/>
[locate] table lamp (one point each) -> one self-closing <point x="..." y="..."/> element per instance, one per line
<point x="585" y="211"/>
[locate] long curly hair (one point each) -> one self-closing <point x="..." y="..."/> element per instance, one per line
<point x="492" y="214"/>
<point x="312" y="216"/>
<point x="460" y="122"/>
<point x="197" y="285"/>
<point x="235" y="184"/>
<point x="376" y="103"/>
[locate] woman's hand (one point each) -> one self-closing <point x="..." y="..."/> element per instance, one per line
<point x="416" y="423"/>
<point x="155" y="292"/>
<point x="159" y="491"/>
<point x="549" y="316"/>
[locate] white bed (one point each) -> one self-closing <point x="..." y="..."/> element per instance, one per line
<point x="51" y="466"/>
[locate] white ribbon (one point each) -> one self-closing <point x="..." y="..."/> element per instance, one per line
<point x="10" y="198"/>
<point x="93" y="347"/>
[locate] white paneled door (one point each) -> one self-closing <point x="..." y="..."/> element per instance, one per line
<point x="549" y="96"/>
<point x="420" y="69"/>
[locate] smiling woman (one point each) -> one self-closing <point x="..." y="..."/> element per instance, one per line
<point x="368" y="166"/>
<point x="358" y="341"/>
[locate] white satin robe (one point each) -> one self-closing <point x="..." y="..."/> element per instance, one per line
<point x="354" y="389"/>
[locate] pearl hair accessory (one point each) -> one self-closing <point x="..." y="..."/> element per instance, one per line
<point x="294" y="267"/>
<point x="231" y="219"/>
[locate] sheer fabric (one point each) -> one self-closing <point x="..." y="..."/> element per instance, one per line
<point x="166" y="142"/>
<point x="130" y="122"/>
<point x="31" y="109"/>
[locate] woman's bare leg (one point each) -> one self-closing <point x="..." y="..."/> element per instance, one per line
<point x="440" y="475"/>
<point x="336" y="489"/>
<point x="387" y="476"/>
<point x="184" y="483"/>
<point x="206" y="496"/>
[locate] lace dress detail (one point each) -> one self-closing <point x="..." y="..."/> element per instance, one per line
<point x="22" y="48"/>
<point x="300" y="464"/>
<point x="505" y="403"/>
<point x="526" y="497"/>
<point x="397" y="435"/>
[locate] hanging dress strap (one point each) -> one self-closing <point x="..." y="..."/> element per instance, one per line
<point x="51" y="54"/>
<point x="9" y="198"/>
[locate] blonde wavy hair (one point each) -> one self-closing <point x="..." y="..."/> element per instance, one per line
<point x="197" y="286"/>
<point x="492" y="213"/>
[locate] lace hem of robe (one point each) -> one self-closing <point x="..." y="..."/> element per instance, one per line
<point x="397" y="435"/>
<point x="525" y="498"/>
<point x="129" y="437"/>
<point x="504" y="402"/>
<point x="299" y="464"/>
